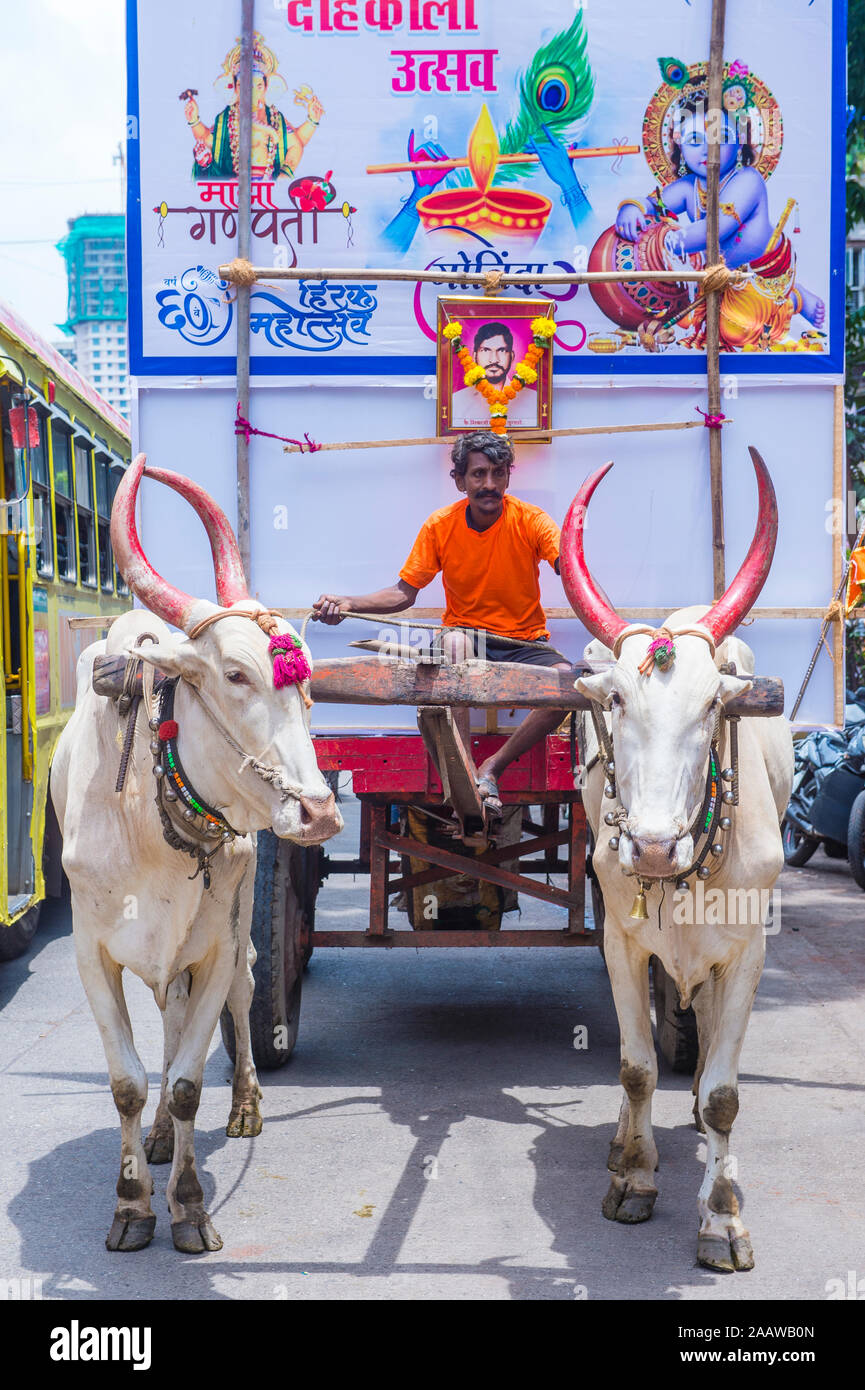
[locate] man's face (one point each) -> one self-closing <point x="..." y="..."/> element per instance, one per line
<point x="485" y="484"/>
<point x="496" y="358"/>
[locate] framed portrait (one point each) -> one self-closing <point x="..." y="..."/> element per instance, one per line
<point x="496" y="335"/>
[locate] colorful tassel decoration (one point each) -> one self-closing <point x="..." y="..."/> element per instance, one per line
<point x="168" y="729"/>
<point x="290" y="666"/>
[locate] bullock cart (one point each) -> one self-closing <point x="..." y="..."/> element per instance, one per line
<point x="435" y="773"/>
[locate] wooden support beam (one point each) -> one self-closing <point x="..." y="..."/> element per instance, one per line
<point x="713" y="300"/>
<point x="455" y="766"/>
<point x="474" y="868"/>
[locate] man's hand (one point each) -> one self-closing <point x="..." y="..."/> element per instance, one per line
<point x="330" y="609"/>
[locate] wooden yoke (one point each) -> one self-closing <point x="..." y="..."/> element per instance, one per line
<point x="479" y="685"/>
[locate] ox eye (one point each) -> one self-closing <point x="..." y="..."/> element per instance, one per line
<point x="616" y="700"/>
<point x="236" y="678"/>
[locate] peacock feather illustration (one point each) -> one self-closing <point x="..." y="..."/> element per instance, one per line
<point x="556" y="90"/>
<point x="673" y="71"/>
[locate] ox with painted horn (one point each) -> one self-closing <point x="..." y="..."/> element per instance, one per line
<point x="684" y="805"/>
<point x="225" y="751"/>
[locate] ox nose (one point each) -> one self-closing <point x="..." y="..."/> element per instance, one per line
<point x="319" y="817"/>
<point x="655" y="856"/>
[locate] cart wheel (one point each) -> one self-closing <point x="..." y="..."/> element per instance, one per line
<point x="15" y="940"/>
<point x="798" y="847"/>
<point x="306" y="866"/>
<point x="598" y="911"/>
<point x="856" y="840"/>
<point x="277" y="920"/>
<point x="676" y="1028"/>
<point x="598" y="908"/>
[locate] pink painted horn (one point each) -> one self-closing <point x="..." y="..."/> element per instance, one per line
<point x="162" y="598"/>
<point x="735" y="603"/>
<point x="722" y="618"/>
<point x="594" y="611"/>
<point x="227" y="564"/>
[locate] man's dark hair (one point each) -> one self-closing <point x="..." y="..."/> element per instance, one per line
<point x="496" y="447"/>
<point x="494" y="330"/>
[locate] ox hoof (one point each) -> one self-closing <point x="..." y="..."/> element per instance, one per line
<point x="244" y="1122"/>
<point x="130" y="1232"/>
<point x="195" y="1237"/>
<point x="159" y="1144"/>
<point x="629" y="1204"/>
<point x="725" y="1254"/>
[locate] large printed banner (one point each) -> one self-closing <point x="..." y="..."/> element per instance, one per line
<point x="477" y="135"/>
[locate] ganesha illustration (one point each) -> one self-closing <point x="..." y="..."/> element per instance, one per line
<point x="277" y="146"/>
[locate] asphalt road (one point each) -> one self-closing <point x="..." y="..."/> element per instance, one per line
<point x="437" y="1135"/>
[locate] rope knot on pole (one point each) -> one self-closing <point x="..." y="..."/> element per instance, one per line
<point x="240" y="272"/>
<point x="718" y="278"/>
<point x="492" y="281"/>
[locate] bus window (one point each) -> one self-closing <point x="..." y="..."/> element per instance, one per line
<point x="61" y="440"/>
<point x="42" y="499"/>
<point x="115" y="474"/>
<point x="86" y="522"/>
<point x="103" y="509"/>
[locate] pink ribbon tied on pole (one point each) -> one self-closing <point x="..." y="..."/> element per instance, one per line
<point x="711" y="422"/>
<point x="243" y="426"/>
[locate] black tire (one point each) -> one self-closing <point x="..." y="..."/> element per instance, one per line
<point x="15" y="940"/>
<point x="675" y="1027"/>
<point x="798" y="847"/>
<point x="306" y="867"/>
<point x="598" y="911"/>
<point x="856" y="840"/>
<point x="277" y="918"/>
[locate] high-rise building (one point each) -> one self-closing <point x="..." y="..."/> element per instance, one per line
<point x="94" y="252"/>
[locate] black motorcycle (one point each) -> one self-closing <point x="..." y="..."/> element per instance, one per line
<point x="827" y="804"/>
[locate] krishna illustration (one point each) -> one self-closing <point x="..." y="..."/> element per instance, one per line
<point x="277" y="146"/>
<point x="649" y="234"/>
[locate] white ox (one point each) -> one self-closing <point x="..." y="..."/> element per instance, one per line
<point x="135" y="903"/>
<point x="662" y="726"/>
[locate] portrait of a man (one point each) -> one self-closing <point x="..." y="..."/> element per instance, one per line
<point x="497" y="346"/>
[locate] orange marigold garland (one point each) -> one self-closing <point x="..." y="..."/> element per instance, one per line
<point x="499" y="398"/>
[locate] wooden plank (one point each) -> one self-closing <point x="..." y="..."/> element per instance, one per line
<point x="455" y="766"/>
<point x="378" y="871"/>
<point x="414" y="939"/>
<point x="577" y="867"/>
<point x="382" y="681"/>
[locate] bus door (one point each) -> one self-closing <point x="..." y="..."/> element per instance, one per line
<point x="16" y="755"/>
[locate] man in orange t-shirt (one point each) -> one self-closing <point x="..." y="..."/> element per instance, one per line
<point x="488" y="548"/>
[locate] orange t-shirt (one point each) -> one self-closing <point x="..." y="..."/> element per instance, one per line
<point x="490" y="577"/>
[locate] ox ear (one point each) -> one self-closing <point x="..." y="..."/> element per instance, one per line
<point x="731" y="687"/>
<point x="183" y="660"/>
<point x="599" y="687"/>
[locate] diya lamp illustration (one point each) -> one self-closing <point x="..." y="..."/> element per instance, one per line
<point x="506" y="212"/>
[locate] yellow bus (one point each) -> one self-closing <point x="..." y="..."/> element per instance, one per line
<point x="64" y="451"/>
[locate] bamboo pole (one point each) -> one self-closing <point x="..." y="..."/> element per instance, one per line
<point x="244" y="238"/>
<point x="229" y="271"/>
<point x="713" y="299"/>
<point x="539" y="438"/>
